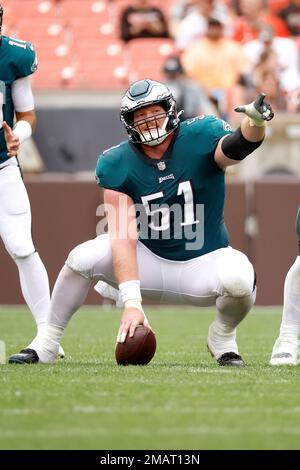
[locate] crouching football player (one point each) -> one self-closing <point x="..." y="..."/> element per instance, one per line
<point x="167" y="241"/>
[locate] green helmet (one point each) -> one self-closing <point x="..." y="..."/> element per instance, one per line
<point x="145" y="93"/>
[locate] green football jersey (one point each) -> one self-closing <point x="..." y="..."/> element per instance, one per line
<point x="179" y="199"/>
<point x="17" y="60"/>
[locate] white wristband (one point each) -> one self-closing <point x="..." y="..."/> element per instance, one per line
<point x="23" y="130"/>
<point x="130" y="290"/>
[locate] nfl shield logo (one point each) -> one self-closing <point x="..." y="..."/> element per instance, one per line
<point x="161" y="166"/>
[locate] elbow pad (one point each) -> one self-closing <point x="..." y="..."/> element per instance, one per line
<point x="236" y="147"/>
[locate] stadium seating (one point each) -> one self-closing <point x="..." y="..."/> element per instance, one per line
<point x="78" y="44"/>
<point x="144" y="57"/>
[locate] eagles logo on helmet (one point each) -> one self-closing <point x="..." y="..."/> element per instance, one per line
<point x="146" y="93"/>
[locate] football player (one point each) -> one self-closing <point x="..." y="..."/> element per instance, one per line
<point x="285" y="349"/>
<point x="164" y="197"/>
<point x="17" y="62"/>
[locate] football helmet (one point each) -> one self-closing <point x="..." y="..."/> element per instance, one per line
<point x="146" y="93"/>
<point x="1" y="18"/>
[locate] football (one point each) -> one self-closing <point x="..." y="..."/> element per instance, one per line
<point x="138" y="350"/>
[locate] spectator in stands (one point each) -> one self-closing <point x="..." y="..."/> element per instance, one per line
<point x="178" y="11"/>
<point x="287" y="56"/>
<point x="143" y="20"/>
<point x="215" y="62"/>
<point x="264" y="77"/>
<point x="291" y="17"/>
<point x="267" y="80"/>
<point x="194" y="25"/>
<point x="254" y="15"/>
<point x="188" y="94"/>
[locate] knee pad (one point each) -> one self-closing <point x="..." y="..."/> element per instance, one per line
<point x="237" y="277"/>
<point x="83" y="257"/>
<point x="19" y="246"/>
<point x="78" y="260"/>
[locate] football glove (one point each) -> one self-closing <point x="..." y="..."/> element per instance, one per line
<point x="258" y="111"/>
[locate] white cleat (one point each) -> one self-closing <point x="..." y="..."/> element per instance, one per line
<point x="285" y="352"/>
<point x="61" y="353"/>
<point x="108" y="292"/>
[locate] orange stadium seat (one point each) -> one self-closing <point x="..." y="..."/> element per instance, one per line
<point x="31" y="9"/>
<point x="102" y="66"/>
<point x="91" y="28"/>
<point x="46" y="28"/>
<point x="86" y="8"/>
<point x="145" y="57"/>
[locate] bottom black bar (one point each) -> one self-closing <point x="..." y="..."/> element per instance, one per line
<point x="135" y="459"/>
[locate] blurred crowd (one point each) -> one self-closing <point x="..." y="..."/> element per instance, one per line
<point x="226" y="51"/>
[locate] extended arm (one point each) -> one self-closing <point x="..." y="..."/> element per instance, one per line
<point x="233" y="148"/>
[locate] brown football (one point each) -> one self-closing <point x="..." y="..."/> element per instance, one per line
<point x="137" y="350"/>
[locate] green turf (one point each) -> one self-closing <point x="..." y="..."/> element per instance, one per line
<point x="182" y="400"/>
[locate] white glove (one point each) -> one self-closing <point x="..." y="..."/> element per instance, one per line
<point x="258" y="111"/>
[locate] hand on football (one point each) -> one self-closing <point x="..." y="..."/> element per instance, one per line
<point x="12" y="140"/>
<point x="258" y="111"/>
<point x="131" y="318"/>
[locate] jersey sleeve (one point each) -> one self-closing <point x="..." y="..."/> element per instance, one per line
<point x="111" y="172"/>
<point x="27" y="61"/>
<point x="208" y="130"/>
<point x="218" y="128"/>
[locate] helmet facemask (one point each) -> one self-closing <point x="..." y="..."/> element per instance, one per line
<point x="154" y="129"/>
<point x="151" y="131"/>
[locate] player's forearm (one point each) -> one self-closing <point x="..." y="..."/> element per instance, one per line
<point x="126" y="273"/>
<point x="252" y="133"/>
<point x="125" y="260"/>
<point x="29" y="117"/>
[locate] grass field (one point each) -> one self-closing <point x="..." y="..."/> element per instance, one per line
<point x="181" y="400"/>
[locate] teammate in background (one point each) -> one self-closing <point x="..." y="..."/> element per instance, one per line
<point x="17" y="63"/>
<point x="285" y="349"/>
<point x="167" y="241"/>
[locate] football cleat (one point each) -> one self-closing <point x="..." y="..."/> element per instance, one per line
<point x="231" y="359"/>
<point x="223" y="347"/>
<point x="228" y="359"/>
<point x="25" y="356"/>
<point x="61" y="353"/>
<point x="109" y="292"/>
<point x="285" y="352"/>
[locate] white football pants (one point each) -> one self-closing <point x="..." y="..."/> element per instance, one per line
<point x="15" y="214"/>
<point x="200" y="281"/>
<point x="15" y="231"/>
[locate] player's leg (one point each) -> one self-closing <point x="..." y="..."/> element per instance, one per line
<point x="285" y="349"/>
<point x="15" y="231"/>
<point x="237" y="291"/>
<point x="224" y="278"/>
<point x="69" y="293"/>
